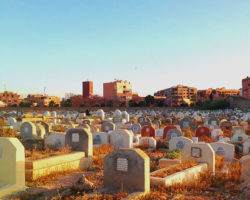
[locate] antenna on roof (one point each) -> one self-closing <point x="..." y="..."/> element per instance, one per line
<point x="5" y="87"/>
<point x="44" y="91"/>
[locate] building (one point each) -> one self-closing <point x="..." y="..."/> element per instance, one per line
<point x="177" y="95"/>
<point x="246" y="88"/>
<point x="87" y="89"/>
<point x="217" y="94"/>
<point x="42" y="100"/>
<point x="118" y="91"/>
<point x="137" y="98"/>
<point x="10" y="98"/>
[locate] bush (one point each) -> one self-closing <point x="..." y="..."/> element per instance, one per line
<point x="219" y="104"/>
<point x="25" y="104"/>
<point x="175" y="154"/>
<point x="132" y="103"/>
<point x="142" y="104"/>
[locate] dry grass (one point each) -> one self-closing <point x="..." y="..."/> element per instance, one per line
<point x="48" y="152"/>
<point x="58" y="128"/>
<point x="154" y="156"/>
<point x="6" y="132"/>
<point x="206" y="186"/>
<point x="116" y="196"/>
<point x="44" y="180"/>
<point x="99" y="154"/>
<point x="187" y="132"/>
<point x="207" y="139"/>
<point x="220" y="162"/>
<point x="166" y="172"/>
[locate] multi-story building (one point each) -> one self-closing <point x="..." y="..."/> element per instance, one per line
<point x="118" y="91"/>
<point x="87" y="89"/>
<point x="246" y="87"/>
<point x="10" y="98"/>
<point x="177" y="95"/>
<point x="219" y="93"/>
<point x="42" y="100"/>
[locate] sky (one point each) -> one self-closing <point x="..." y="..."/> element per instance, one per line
<point x="155" y="44"/>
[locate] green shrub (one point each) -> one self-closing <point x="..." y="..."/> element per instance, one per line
<point x="175" y="154"/>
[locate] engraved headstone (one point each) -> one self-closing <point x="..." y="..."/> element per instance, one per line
<point x="129" y="169"/>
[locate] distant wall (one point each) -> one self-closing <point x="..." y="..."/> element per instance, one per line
<point x="239" y="102"/>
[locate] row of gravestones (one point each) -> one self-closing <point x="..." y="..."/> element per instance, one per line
<point x="12" y="158"/>
<point x="129" y="168"/>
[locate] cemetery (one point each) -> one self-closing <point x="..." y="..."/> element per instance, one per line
<point x="132" y="154"/>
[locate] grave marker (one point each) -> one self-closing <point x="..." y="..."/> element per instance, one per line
<point x="129" y="169"/>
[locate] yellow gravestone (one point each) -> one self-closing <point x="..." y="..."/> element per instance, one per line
<point x="12" y="166"/>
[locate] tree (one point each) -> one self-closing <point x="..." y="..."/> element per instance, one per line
<point x="132" y="103"/>
<point x="142" y="104"/>
<point x="123" y="104"/>
<point x="67" y="103"/>
<point x="52" y="104"/>
<point x="160" y="103"/>
<point x="149" y="100"/>
<point x="25" y="104"/>
<point x="110" y="103"/>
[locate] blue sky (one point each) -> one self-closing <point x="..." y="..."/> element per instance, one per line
<point x="155" y="44"/>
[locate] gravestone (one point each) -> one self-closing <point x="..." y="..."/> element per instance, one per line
<point x="11" y="121"/>
<point x="55" y="139"/>
<point x="12" y="166"/>
<point x="126" y="116"/>
<point x="225" y="149"/>
<point x="166" y="129"/>
<point x="187" y="121"/>
<point x="246" y="147"/>
<point x="46" y="126"/>
<point x="40" y="131"/>
<point x="216" y="133"/>
<point x="179" y="143"/>
<point x="148" y="131"/>
<point x="136" y="140"/>
<point x="141" y="120"/>
<point x="53" y="114"/>
<point x="202" y="131"/>
<point x="172" y="133"/>
<point x="127" y="170"/>
<point x="147" y="142"/>
<point x="200" y="152"/>
<point x="237" y="129"/>
<point x="107" y="126"/>
<point x="86" y="121"/>
<point x="80" y="140"/>
<point x="159" y="133"/>
<point x="136" y="128"/>
<point x="117" y="119"/>
<point x="213" y="121"/>
<point x="121" y="139"/>
<point x="157" y="123"/>
<point x="94" y="129"/>
<point x="239" y="137"/>
<point x="100" y="114"/>
<point x="168" y="121"/>
<point x="46" y="114"/>
<point x="148" y="123"/>
<point x="28" y="130"/>
<point x="117" y="113"/>
<point x="245" y="166"/>
<point x="100" y="138"/>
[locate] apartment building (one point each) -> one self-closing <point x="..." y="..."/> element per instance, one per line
<point x="118" y="91"/>
<point x="10" y="98"/>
